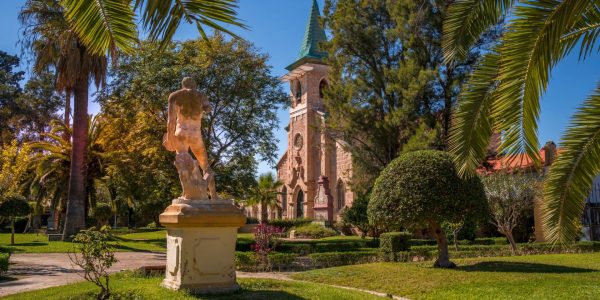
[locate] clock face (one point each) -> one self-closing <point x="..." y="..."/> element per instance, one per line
<point x="298" y="141"/>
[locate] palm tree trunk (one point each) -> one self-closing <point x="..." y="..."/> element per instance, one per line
<point x="75" y="216"/>
<point x="443" y="260"/>
<point x="67" y="116"/>
<point x="264" y="213"/>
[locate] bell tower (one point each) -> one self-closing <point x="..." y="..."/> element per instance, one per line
<point x="306" y="159"/>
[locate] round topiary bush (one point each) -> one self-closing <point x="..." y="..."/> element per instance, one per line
<point x="422" y="188"/>
<point x="12" y="207"/>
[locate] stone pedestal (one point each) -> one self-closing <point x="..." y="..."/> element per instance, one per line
<point x="323" y="207"/>
<point x="201" y="236"/>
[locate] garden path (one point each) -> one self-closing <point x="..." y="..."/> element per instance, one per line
<point x="34" y="271"/>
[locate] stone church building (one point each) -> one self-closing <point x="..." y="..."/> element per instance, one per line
<point x="315" y="169"/>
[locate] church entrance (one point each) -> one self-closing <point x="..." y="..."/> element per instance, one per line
<point x="300" y="205"/>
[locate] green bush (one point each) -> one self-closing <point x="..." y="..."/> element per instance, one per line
<point x="4" y="261"/>
<point x="356" y="215"/>
<point x="287" y="224"/>
<point x="394" y="242"/>
<point x="422" y="187"/>
<point x="102" y="214"/>
<point x="315" y="231"/>
<point x="281" y="261"/>
<point x="333" y="259"/>
<point x="245" y="261"/>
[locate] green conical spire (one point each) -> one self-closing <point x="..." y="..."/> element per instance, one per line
<point x="313" y="36"/>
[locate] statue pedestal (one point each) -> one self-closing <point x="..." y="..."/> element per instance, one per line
<point x="201" y="236"/>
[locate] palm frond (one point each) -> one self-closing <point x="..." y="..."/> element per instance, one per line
<point x="103" y="25"/>
<point x="472" y="125"/>
<point x="161" y="18"/>
<point x="586" y="30"/>
<point x="466" y="20"/>
<point x="530" y="49"/>
<point x="570" y="178"/>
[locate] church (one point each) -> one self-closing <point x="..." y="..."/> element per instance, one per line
<point x="315" y="169"/>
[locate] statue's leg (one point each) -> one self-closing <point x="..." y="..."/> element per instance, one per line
<point x="202" y="157"/>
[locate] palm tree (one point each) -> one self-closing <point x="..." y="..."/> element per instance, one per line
<point x="83" y="32"/>
<point x="503" y="94"/>
<point x="50" y="179"/>
<point x="265" y="194"/>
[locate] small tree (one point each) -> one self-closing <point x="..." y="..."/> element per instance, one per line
<point x="12" y="207"/>
<point x="510" y="197"/>
<point x="95" y="256"/>
<point x="356" y="215"/>
<point x="265" y="194"/>
<point x="422" y="188"/>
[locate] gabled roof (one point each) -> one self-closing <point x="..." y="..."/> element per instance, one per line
<point x="313" y="36"/>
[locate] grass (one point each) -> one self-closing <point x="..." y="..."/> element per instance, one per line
<point x="154" y="241"/>
<point x="557" y="276"/>
<point x="149" y="288"/>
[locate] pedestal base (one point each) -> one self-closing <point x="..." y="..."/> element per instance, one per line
<point x="201" y="238"/>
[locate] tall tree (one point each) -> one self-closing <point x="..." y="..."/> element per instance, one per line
<point x="9" y="91"/>
<point x="389" y="89"/>
<point x="239" y="129"/>
<point x="503" y="94"/>
<point x="89" y="31"/>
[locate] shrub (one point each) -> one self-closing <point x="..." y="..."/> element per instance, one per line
<point x="356" y="215"/>
<point x="394" y="241"/>
<point x="264" y="242"/>
<point x="314" y="230"/>
<point x="95" y="256"/>
<point x="422" y="187"/>
<point x="102" y="214"/>
<point x="4" y="262"/>
<point x="333" y="259"/>
<point x="12" y="207"/>
<point x="287" y="224"/>
<point x="245" y="260"/>
<point x="251" y="220"/>
<point x="281" y="261"/>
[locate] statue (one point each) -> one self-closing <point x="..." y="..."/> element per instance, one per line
<point x="186" y="109"/>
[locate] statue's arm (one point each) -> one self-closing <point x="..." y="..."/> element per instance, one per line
<point x="171" y="124"/>
<point x="206" y="108"/>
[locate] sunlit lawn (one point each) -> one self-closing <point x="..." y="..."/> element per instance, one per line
<point x="141" y="241"/>
<point x="560" y="276"/>
<point x="149" y="288"/>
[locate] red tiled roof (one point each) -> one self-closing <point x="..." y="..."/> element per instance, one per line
<point x="513" y="162"/>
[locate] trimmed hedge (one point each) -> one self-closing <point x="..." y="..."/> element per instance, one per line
<point x="333" y="259"/>
<point x="281" y="261"/>
<point x="287" y="224"/>
<point x="4" y="261"/>
<point x="394" y="242"/>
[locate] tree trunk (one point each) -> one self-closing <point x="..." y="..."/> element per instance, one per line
<point x="12" y="231"/>
<point x="67" y="116"/>
<point x="75" y="216"/>
<point x="511" y="240"/>
<point x="264" y="213"/>
<point x="443" y="260"/>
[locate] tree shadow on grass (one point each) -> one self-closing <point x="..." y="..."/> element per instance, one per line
<point x="520" y="267"/>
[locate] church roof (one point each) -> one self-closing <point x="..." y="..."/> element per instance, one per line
<point x="313" y="35"/>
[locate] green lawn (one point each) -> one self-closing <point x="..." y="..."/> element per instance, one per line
<point x="140" y="241"/>
<point x="149" y="288"/>
<point x="559" y="276"/>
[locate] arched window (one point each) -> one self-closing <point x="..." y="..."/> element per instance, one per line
<point x="300" y="204"/>
<point x="341" y="195"/>
<point x="298" y="92"/>
<point x="322" y="87"/>
<point x="284" y="199"/>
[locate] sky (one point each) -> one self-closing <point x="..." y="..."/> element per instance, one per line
<point x="277" y="28"/>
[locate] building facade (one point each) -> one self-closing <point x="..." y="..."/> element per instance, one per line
<point x="315" y="169"/>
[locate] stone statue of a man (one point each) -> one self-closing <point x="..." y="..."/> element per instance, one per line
<point x="186" y="108"/>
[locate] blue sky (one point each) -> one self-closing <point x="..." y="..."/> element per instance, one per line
<point x="277" y="28"/>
